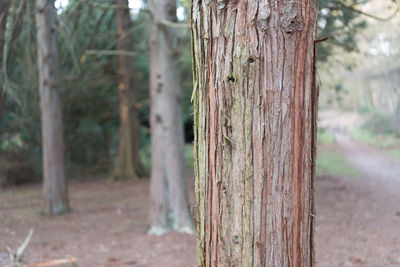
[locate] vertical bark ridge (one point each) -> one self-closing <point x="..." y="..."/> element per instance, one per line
<point x="254" y="117"/>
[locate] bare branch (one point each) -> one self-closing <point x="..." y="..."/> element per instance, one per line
<point x="172" y="24"/>
<point x="52" y="263"/>
<point x="110" y="53"/>
<point x="108" y="6"/>
<point x="321" y="40"/>
<point x="20" y="251"/>
<point x="367" y="14"/>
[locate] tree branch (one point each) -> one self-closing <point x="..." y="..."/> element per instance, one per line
<point x="110" y="53"/>
<point x="172" y="24"/>
<point x="108" y="6"/>
<point x="20" y="251"/>
<point x="351" y="8"/>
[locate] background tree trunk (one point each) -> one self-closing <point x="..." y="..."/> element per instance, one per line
<point x="4" y="6"/>
<point x="255" y="116"/>
<point x="54" y="184"/>
<point x="128" y="161"/>
<point x="169" y="200"/>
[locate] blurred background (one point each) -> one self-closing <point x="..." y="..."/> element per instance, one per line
<point x="358" y="159"/>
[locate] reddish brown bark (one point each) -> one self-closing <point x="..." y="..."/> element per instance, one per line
<point x="255" y="115"/>
<point x="128" y="161"/>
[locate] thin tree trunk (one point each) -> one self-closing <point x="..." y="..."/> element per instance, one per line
<point x="255" y="116"/>
<point x="4" y="6"/>
<point x="169" y="200"/>
<point x="128" y="161"/>
<point x="54" y="184"/>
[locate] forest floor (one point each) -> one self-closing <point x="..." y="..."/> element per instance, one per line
<point x="358" y="214"/>
<point x="358" y="219"/>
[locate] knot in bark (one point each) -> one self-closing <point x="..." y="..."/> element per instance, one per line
<point x="230" y="78"/>
<point x="236" y="239"/>
<point x="221" y="4"/>
<point x="291" y="21"/>
<point x="263" y="19"/>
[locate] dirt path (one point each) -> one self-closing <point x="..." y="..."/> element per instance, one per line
<point x="370" y="162"/>
<point x="358" y="222"/>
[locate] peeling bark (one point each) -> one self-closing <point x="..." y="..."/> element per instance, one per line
<point x="128" y="161"/>
<point x="168" y="193"/>
<point x="54" y="182"/>
<point x="255" y="116"/>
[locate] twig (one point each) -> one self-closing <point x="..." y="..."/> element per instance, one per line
<point x="321" y="40"/>
<point x="20" y="251"/>
<point x="52" y="263"/>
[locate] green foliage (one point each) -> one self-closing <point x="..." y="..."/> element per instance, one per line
<point x="145" y="150"/>
<point x="379" y="130"/>
<point x="338" y="21"/>
<point x="335" y="163"/>
<point x="186" y="74"/>
<point x="383" y="124"/>
<point x="379" y="140"/>
<point x="89" y="81"/>
<point x="324" y="137"/>
<point x="189" y="160"/>
<point x="395" y="154"/>
<point x="364" y="136"/>
<point x="88" y="84"/>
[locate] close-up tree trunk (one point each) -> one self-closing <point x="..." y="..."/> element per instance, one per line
<point x="54" y="181"/>
<point x="168" y="194"/>
<point x="128" y="161"/>
<point x="255" y="104"/>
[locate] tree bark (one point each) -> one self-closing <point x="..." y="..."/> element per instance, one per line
<point x="4" y="6"/>
<point x="255" y="105"/>
<point x="168" y="193"/>
<point x="128" y="161"/>
<point x="54" y="184"/>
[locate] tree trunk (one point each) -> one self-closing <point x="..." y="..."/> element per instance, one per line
<point x="255" y="119"/>
<point x="4" y="6"/>
<point x="168" y="193"/>
<point x="54" y="184"/>
<point x="128" y="161"/>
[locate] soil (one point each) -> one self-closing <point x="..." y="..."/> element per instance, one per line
<point x="358" y="220"/>
<point x="107" y="227"/>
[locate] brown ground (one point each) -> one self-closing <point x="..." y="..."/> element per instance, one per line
<point x="358" y="221"/>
